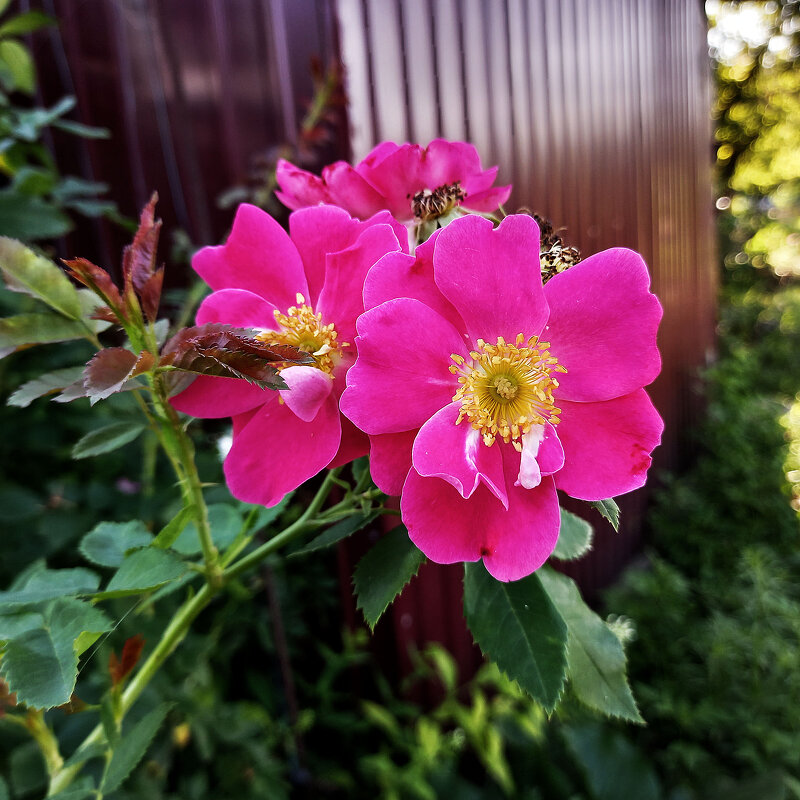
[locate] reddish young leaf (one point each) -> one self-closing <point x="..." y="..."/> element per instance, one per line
<point x="139" y="262"/>
<point x="222" y="350"/>
<point x="131" y="652"/>
<point x="99" y="281"/>
<point x="110" y="368"/>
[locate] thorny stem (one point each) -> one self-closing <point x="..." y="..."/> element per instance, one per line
<point x="62" y="777"/>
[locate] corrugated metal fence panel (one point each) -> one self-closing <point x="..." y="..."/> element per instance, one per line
<point x="597" y="112"/>
<point x="189" y="90"/>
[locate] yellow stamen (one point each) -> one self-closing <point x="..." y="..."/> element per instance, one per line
<point x="505" y="389"/>
<point x="303" y="329"/>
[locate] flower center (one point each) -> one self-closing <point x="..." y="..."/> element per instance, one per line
<point x="430" y="204"/>
<point x="505" y="389"/>
<point x="303" y="329"/>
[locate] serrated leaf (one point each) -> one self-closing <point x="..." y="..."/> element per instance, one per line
<point x="31" y="218"/>
<point x="106" y="439"/>
<point x="108" y="542"/>
<point x="41" y="666"/>
<point x="14" y="623"/>
<point x="25" y="23"/>
<point x="609" y="509"/>
<point x="131" y="748"/>
<point x="384" y="571"/>
<point x="224" y="351"/>
<point x="47" y="584"/>
<point x="110" y="368"/>
<point x="574" y="537"/>
<point x="98" y="280"/>
<point x="596" y="657"/>
<point x="172" y="530"/>
<point x="83" y="754"/>
<point x="225" y="522"/>
<point x="42" y="328"/>
<point x="139" y="262"/>
<point x="18" y="59"/>
<point x="45" y="384"/>
<point x="341" y="530"/>
<point x="613" y="767"/>
<point x="520" y="629"/>
<point x="142" y="571"/>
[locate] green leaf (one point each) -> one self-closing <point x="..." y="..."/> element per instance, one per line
<point x="613" y="767"/>
<point x="15" y="623"/>
<point x="574" y="538"/>
<point x="31" y="218"/>
<point x="48" y="383"/>
<point x="79" y="790"/>
<point x="383" y="572"/>
<point x="517" y="626"/>
<point x="34" y="180"/>
<point x="108" y="542"/>
<point x="596" y="657"/>
<point x="225" y="522"/>
<point x="172" y="530"/>
<point x="4" y="795"/>
<point x="609" y="509"/>
<point x="142" y="571"/>
<point x="17" y="59"/>
<point x="131" y="748"/>
<point x="266" y="516"/>
<point x="84" y="754"/>
<point x="44" y="328"/>
<point x="41" y="665"/>
<point x="47" y="584"/>
<point x="106" y="439"/>
<point x="25" y="23"/>
<point x="341" y="530"/>
<point x="85" y="132"/>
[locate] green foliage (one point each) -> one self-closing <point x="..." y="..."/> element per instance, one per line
<point x="574" y="537"/>
<point x="383" y="572"/>
<point x="520" y="629"/>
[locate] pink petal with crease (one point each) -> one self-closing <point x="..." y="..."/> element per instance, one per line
<point x="258" y="256"/>
<point x="390" y="460"/>
<point x="300" y="188"/>
<point x="602" y="327"/>
<point x="237" y="307"/>
<point x="209" y="397"/>
<point x="513" y="543"/>
<point x="457" y="454"/>
<point x="607" y="445"/>
<point x="341" y="299"/>
<point x="401" y="376"/>
<point x="492" y="276"/>
<point x="309" y="388"/>
<point x="354" y="444"/>
<point x="349" y="189"/>
<point x="275" y="451"/>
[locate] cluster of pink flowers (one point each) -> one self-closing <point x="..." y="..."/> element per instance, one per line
<point x="477" y="390"/>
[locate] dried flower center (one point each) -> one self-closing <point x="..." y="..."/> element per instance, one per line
<point x="429" y="204"/>
<point x="507" y="388"/>
<point x="303" y="329"/>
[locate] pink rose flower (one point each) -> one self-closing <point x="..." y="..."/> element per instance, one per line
<point x="304" y="289"/>
<point x="415" y="184"/>
<point x="484" y="392"/>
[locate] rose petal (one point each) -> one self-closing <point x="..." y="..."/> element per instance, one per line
<point x="607" y="445"/>
<point x="602" y="326"/>
<point x="492" y="276"/>
<point x="390" y="460"/>
<point x="309" y="388"/>
<point x="447" y="528"/>
<point x="401" y="376"/>
<point x="276" y="451"/>
<point x="457" y="454"/>
<point x="542" y="454"/>
<point x="349" y="189"/>
<point x="210" y="397"/>
<point x="446" y="162"/>
<point x="341" y="299"/>
<point x="399" y="275"/>
<point x="259" y="256"/>
<point x="487" y="201"/>
<point x="237" y="307"/>
<point x="300" y="188"/>
<point x="354" y="444"/>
